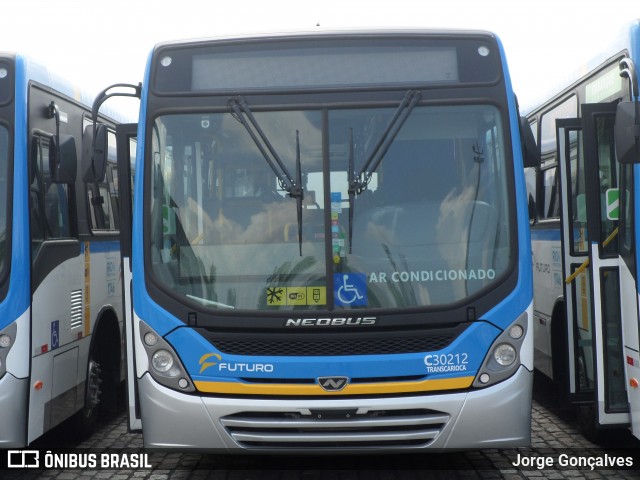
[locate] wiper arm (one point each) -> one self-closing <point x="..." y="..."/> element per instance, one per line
<point x="358" y="182"/>
<point x="292" y="186"/>
<point x="354" y="187"/>
<point x="411" y="98"/>
<point x="209" y="303"/>
<point x="297" y="192"/>
<point x="245" y="116"/>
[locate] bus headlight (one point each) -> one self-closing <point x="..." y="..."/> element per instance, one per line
<point x="166" y="367"/>
<point x="162" y="361"/>
<point x="516" y="331"/>
<point x="505" y="354"/>
<point x="502" y="361"/>
<point x="7" y="339"/>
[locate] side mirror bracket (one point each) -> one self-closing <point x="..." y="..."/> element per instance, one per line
<point x="530" y="153"/>
<point x="627" y="124"/>
<point x="95" y="138"/>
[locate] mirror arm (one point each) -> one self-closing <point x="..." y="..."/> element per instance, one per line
<point x="628" y="70"/>
<point x="54" y="112"/>
<point x="102" y="97"/>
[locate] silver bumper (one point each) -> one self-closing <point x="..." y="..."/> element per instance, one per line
<point x="498" y="416"/>
<point x="13" y="412"/>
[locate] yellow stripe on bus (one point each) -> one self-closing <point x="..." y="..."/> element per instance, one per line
<point x="87" y="289"/>
<point x="315" y="389"/>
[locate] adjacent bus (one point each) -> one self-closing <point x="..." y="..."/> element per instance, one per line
<point x="583" y="205"/>
<point x="60" y="282"/>
<point x="330" y="247"/>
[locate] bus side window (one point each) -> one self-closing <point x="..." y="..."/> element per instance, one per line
<point x="551" y="193"/>
<point x="36" y="205"/>
<point x="530" y="174"/>
<point x="548" y="190"/>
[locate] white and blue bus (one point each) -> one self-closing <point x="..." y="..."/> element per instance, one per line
<point x="583" y="204"/>
<point x="330" y="247"/>
<point x="60" y="280"/>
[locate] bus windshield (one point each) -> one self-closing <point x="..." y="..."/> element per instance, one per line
<point x="428" y="227"/>
<point x="4" y="162"/>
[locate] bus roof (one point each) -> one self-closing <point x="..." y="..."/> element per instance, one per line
<point x="38" y="72"/>
<point x="627" y="38"/>
<point x="327" y="33"/>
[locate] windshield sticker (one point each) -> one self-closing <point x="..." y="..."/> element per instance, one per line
<point x="350" y="289"/>
<point x="336" y="202"/>
<point x="283" y="296"/>
<point x="339" y="251"/>
<point x="431" y="276"/>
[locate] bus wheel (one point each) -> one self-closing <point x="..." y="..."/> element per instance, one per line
<point x="86" y="418"/>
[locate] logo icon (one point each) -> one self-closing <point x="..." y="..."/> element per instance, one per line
<point x="23" y="458"/>
<point x="350" y="289"/>
<point x="275" y="296"/>
<point x="333" y="384"/>
<point x="203" y="361"/>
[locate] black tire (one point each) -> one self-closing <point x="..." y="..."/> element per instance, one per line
<point x="86" y="419"/>
<point x="103" y="376"/>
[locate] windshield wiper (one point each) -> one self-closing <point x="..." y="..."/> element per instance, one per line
<point x="209" y="303"/>
<point x="359" y="182"/>
<point x="293" y="186"/>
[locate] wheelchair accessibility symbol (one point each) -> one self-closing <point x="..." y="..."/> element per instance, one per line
<point x="350" y="289"/>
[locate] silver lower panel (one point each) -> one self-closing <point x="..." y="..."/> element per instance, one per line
<point x="13" y="411"/>
<point x="498" y="416"/>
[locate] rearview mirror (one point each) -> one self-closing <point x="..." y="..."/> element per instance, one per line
<point x="63" y="159"/>
<point x="627" y="133"/>
<point x="94" y="153"/>
<point x="530" y="153"/>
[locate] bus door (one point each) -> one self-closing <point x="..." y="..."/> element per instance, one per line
<point x="575" y="257"/>
<point x="126" y="141"/>
<point x="592" y="287"/>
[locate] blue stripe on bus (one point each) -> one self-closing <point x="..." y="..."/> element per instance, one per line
<point x="463" y="357"/>
<point x="19" y="296"/>
<point x="507" y="310"/>
<point x="546" y="234"/>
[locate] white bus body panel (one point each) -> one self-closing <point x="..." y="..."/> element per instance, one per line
<point x="16" y="364"/>
<point x="64" y="312"/>
<point x="547" y="288"/>
<point x="631" y="339"/>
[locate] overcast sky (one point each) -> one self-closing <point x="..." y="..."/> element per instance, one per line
<point x="98" y="43"/>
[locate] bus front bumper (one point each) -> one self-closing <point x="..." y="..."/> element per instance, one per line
<point x="13" y="414"/>
<point x="497" y="416"/>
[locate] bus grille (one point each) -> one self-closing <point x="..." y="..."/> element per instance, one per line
<point x="335" y="428"/>
<point x="76" y="309"/>
<point x="326" y="344"/>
